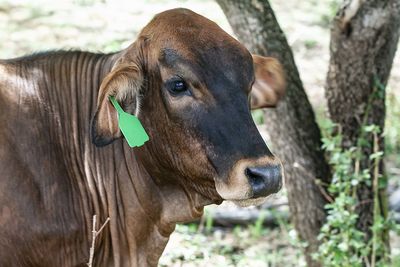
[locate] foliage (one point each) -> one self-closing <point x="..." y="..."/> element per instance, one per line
<point x="310" y="44"/>
<point x="326" y="17"/>
<point x="238" y="247"/>
<point x="342" y="244"/>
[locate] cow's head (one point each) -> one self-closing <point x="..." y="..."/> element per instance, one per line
<point x="192" y="85"/>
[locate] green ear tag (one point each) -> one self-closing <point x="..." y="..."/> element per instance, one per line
<point x="130" y="126"/>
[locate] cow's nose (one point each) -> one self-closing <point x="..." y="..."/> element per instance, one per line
<point x="264" y="180"/>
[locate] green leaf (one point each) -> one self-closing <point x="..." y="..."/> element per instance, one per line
<point x="376" y="155"/>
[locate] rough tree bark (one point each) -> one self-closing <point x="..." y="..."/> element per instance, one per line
<point x="364" y="38"/>
<point x="294" y="134"/>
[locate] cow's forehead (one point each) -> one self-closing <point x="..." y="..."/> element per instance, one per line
<point x="192" y="35"/>
<point x="210" y="63"/>
<point x="172" y="53"/>
<point x="181" y="36"/>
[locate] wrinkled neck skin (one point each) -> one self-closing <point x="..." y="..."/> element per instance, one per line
<point x="142" y="213"/>
<point x="107" y="181"/>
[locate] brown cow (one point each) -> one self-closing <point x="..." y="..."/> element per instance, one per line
<point x="189" y="83"/>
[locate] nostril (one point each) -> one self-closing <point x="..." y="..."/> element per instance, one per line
<point x="264" y="180"/>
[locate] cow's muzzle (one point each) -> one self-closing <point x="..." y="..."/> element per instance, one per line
<point x="264" y="180"/>
<point x="250" y="181"/>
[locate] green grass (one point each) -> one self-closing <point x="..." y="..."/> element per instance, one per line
<point x="238" y="246"/>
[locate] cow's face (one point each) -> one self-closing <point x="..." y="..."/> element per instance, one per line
<point x="191" y="85"/>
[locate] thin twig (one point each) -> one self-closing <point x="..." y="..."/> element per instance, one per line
<point x="376" y="200"/>
<point x="91" y="251"/>
<point x="94" y="235"/>
<point x="363" y="202"/>
<point x="325" y="194"/>
<point x="104" y="224"/>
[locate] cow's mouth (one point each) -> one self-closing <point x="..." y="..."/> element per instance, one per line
<point x="250" y="202"/>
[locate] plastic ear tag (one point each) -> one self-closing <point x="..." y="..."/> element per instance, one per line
<point x="130" y="126"/>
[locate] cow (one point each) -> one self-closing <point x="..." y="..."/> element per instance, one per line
<point x="63" y="157"/>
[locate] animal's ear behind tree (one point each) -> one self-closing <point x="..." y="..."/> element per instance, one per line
<point x="292" y="124"/>
<point x="364" y="39"/>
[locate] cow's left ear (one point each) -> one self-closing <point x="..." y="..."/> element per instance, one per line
<point x="124" y="83"/>
<point x="269" y="85"/>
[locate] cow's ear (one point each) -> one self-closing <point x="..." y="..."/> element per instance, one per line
<point x="269" y="85"/>
<point x="124" y="83"/>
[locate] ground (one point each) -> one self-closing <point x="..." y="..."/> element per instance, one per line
<point x="31" y="26"/>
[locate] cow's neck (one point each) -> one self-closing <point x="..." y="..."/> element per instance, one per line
<point x="111" y="182"/>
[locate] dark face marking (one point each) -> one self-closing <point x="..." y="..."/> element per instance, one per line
<point x="217" y="110"/>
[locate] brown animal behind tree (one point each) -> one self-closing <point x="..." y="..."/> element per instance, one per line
<point x="189" y="83"/>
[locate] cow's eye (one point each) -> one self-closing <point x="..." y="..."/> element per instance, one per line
<point x="176" y="87"/>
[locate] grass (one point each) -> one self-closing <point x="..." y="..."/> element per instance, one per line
<point x="241" y="246"/>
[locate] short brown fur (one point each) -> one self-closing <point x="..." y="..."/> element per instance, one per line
<point x="53" y="179"/>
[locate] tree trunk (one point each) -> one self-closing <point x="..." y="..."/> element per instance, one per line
<point x="293" y="132"/>
<point x="364" y="39"/>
